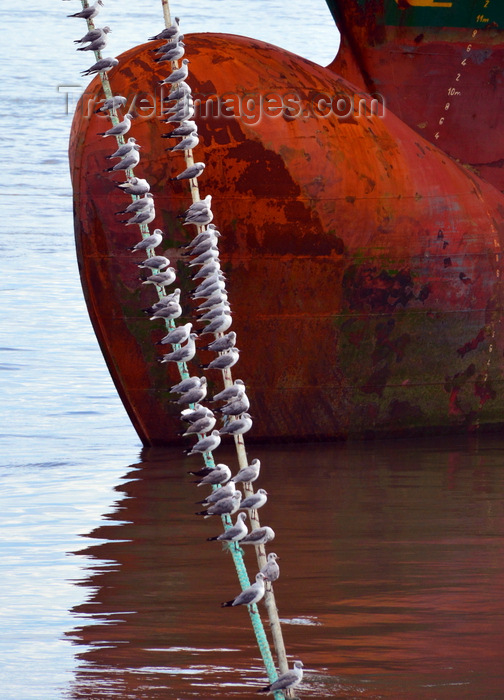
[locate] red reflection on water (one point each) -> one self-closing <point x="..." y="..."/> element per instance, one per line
<point x="391" y="578"/>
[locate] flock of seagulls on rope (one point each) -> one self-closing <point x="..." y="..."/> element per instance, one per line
<point x="213" y="307"/>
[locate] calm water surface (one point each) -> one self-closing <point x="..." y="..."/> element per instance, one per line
<point x="391" y="553"/>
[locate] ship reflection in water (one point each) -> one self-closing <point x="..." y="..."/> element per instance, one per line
<point x="392" y="558"/>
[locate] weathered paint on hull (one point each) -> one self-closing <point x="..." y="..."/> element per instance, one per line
<point x="364" y="266"/>
<point x="438" y="66"/>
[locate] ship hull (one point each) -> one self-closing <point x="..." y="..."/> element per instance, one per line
<point x="363" y="264"/>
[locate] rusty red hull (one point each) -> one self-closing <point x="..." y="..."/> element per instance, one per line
<point x="364" y="265"/>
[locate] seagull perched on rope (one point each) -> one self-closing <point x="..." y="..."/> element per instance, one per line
<point x="89" y="12"/>
<point x="145" y="202"/>
<point x="191" y="172"/>
<point x="156" y="262"/>
<point x="183" y="354"/>
<point x="271" y="570"/>
<point x="287" y="680"/>
<point x="149" y="242"/>
<point x="135" y="185"/>
<point x="119" y="129"/>
<point x="96" y="45"/>
<point x="224" y="361"/>
<point x="125" y="148"/>
<point x="226" y="506"/>
<point x="177" y="75"/>
<point x="250" y="595"/>
<point x="175" y="337"/>
<point x="162" y="279"/>
<point x="206" y="444"/>
<point x="249" y="473"/>
<point x="235" y="533"/>
<point x="219" y="325"/>
<point x="194" y="395"/>
<point x="127" y="162"/>
<point x="112" y="103"/>
<point x="144" y="216"/>
<point x="261" y="535"/>
<point x="93" y="34"/>
<point x="168" y="32"/>
<point x="212" y="477"/>
<point x="101" y="66"/>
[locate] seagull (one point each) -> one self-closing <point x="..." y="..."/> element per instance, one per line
<point x="125" y="148"/>
<point x="290" y="679"/>
<point x="230" y="392"/>
<point x="271" y="570"/>
<point x="219" y="324"/>
<point x="169" y="312"/>
<point x="206" y="444"/>
<point x="209" y="281"/>
<point x="237" y="406"/>
<point x="217" y="297"/>
<point x="136" y="185"/>
<point x="203" y="425"/>
<point x="224" y="361"/>
<point x="144" y="202"/>
<point x="181" y="334"/>
<point x="162" y="279"/>
<point x="191" y="172"/>
<point x="197" y="206"/>
<point x="119" y="129"/>
<point x="186" y="144"/>
<point x="191" y="415"/>
<point x="252" y="594"/>
<point x="183" y="354"/>
<point x="176" y="93"/>
<point x="238" y="426"/>
<point x="182" y="115"/>
<point x="234" y="533"/>
<point x="112" y="103"/>
<point x="168" y="32"/>
<point x="173" y="54"/>
<point x="186" y="128"/>
<point x="145" y="216"/>
<point x="255" y="501"/>
<point x="200" y="218"/>
<point x="225" y="342"/>
<point x="101" y="66"/>
<point x="249" y="473"/>
<point x="178" y="74"/>
<point x="206" y="291"/>
<point x="157" y="262"/>
<point x="175" y="337"/>
<point x="218" y="493"/>
<point x="218" y="475"/>
<point x="170" y="44"/>
<point x="149" y="242"/>
<point x="226" y="506"/>
<point x="96" y="45"/>
<point x="203" y="258"/>
<point x="89" y="12"/>
<point x="184" y="102"/>
<point x="93" y="34"/>
<point x="130" y="160"/>
<point x="208" y="269"/>
<point x="215" y="311"/>
<point x="261" y="535"/>
<point x="210" y="233"/>
<point x="194" y="395"/>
